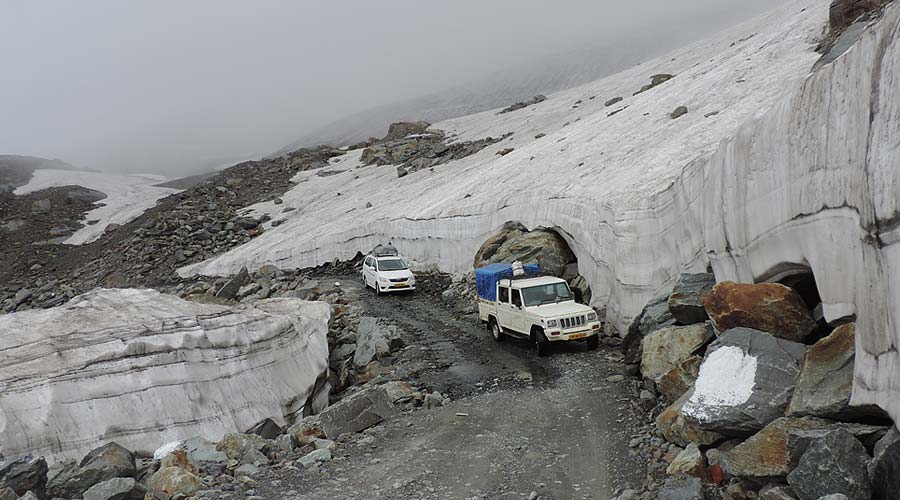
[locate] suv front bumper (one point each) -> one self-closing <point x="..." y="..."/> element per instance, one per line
<point x="581" y="332"/>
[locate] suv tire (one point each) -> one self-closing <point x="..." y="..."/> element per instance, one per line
<point x="540" y="342"/>
<point x="496" y="332"/>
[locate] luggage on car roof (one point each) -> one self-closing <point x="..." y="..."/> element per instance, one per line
<point x="486" y="278"/>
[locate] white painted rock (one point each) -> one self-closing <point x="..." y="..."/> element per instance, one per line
<point x="745" y="382"/>
<point x="142" y="368"/>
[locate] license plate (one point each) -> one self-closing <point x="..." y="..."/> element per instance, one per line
<point x="576" y="336"/>
<point x="402" y="285"/>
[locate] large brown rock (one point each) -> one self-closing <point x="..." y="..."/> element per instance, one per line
<point x="767" y="307"/>
<point x="174" y="481"/>
<point x="826" y="379"/>
<point x="690" y="462"/>
<point x="680" y="379"/>
<point x="675" y="429"/>
<point x="667" y="348"/>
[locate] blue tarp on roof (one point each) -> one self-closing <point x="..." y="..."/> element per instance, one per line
<point x="486" y="278"/>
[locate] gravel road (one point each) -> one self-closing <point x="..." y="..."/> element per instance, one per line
<point x="518" y="426"/>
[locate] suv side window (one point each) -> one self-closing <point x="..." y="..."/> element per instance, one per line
<point x="504" y="295"/>
<point x="517" y="298"/>
<point x="368" y="262"/>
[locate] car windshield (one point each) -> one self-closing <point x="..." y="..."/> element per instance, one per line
<point x="391" y="265"/>
<point x="546" y="294"/>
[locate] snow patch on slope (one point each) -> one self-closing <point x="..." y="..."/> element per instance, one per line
<point x="128" y="196"/>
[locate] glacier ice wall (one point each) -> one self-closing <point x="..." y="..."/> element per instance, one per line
<point x="815" y="182"/>
<point x="142" y="368"/>
<point x="623" y="184"/>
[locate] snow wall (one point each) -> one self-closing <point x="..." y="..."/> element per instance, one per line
<point x="142" y="368"/>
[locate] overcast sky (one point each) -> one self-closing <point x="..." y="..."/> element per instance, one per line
<point x="163" y="85"/>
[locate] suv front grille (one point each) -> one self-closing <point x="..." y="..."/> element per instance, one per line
<point x="398" y="280"/>
<point x="573" y="322"/>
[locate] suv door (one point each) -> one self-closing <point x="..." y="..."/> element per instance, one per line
<point x="519" y="317"/>
<point x="505" y="311"/>
<point x="367" y="270"/>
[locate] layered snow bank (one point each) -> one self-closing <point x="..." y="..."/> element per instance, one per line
<point x="127" y="197"/>
<point x="815" y="182"/>
<point x="623" y="183"/>
<point x="142" y="368"/>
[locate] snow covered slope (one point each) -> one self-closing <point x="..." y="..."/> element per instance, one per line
<point x="623" y="183"/>
<point x="127" y="196"/>
<point x="142" y="368"/>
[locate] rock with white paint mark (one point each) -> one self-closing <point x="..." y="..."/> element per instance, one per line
<point x="745" y="382"/>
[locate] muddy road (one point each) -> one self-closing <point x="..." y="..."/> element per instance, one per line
<point x="517" y="426"/>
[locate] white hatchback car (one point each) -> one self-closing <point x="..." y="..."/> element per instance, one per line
<point x="387" y="273"/>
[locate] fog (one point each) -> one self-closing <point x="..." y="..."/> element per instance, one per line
<point x="173" y="87"/>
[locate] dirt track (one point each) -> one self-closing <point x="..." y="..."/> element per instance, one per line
<point x="517" y="424"/>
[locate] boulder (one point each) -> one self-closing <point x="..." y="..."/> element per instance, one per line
<point x="266" y="429"/>
<point x="884" y="469"/>
<point x="826" y="379"/>
<point x="680" y="379"/>
<point x="836" y="463"/>
<point x="654" y="316"/>
<point x="687" y="488"/>
<point x="690" y="462"/>
<point x="678" y="112"/>
<point x="357" y="412"/>
<point x="776" y="492"/>
<point x="775" y="450"/>
<point x="375" y="340"/>
<point x="843" y="13"/>
<point x="514" y="242"/>
<point x="6" y="493"/>
<point x="675" y="429"/>
<point x="179" y="457"/>
<point x="119" y="488"/>
<point x="231" y="288"/>
<point x="745" y="382"/>
<point x="667" y="348"/>
<point x="768" y="307"/>
<point x="174" y="481"/>
<point x="202" y="450"/>
<point x="306" y="430"/>
<point x="400" y="130"/>
<point x="241" y="446"/>
<point x="24" y="474"/>
<point x="687" y="300"/>
<point x="100" y="464"/>
<point x="269" y="357"/>
<point x="314" y="457"/>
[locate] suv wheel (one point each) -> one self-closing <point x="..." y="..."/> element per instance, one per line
<point x="541" y="342"/>
<point x="377" y="288"/>
<point x="495" y="331"/>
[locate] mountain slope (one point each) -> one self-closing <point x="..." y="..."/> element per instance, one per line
<point x="622" y="183"/>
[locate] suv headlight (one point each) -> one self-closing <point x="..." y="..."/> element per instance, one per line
<point x="411" y="279"/>
<point x="382" y="279"/>
<point x="592" y="316"/>
<point x="552" y="323"/>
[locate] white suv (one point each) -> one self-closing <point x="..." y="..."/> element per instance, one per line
<point x="387" y="273"/>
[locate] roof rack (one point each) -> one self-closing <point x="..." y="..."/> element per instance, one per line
<point x="385" y="251"/>
<point x="527" y="275"/>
